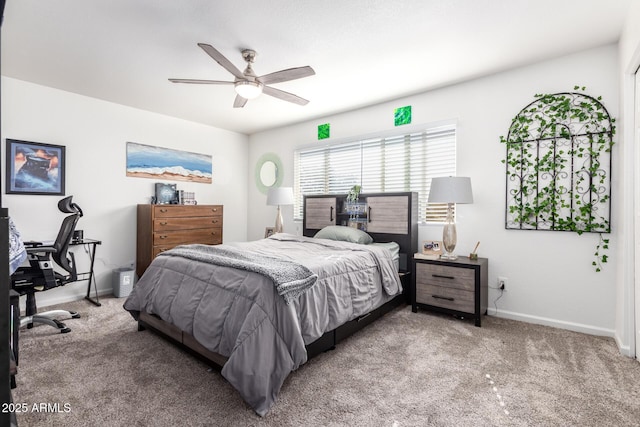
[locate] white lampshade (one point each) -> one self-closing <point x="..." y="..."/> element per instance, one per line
<point x="247" y="89"/>
<point x="450" y="189"/>
<point x="280" y="196"/>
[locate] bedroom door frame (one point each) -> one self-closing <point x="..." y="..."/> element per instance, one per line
<point x="636" y="192"/>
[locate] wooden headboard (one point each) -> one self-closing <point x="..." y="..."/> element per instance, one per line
<point x="387" y="217"/>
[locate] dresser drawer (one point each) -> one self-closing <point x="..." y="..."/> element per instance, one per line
<point x="170" y="224"/>
<point x="210" y="236"/>
<point x="182" y="211"/>
<point x="451" y="298"/>
<point x="446" y="276"/>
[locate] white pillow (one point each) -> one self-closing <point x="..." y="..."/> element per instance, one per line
<point x="345" y="234"/>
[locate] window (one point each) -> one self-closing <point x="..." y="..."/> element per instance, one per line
<point x="405" y="162"/>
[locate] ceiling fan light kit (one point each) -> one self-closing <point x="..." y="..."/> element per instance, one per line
<point x="249" y="86"/>
<point x="248" y="89"/>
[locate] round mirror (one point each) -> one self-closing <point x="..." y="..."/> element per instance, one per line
<point x="268" y="172"/>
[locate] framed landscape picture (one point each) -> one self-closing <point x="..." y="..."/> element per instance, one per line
<point x="35" y="168"/>
<point x="148" y="161"/>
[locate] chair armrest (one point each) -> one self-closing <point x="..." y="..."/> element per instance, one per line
<point x="41" y="250"/>
<point x="31" y="244"/>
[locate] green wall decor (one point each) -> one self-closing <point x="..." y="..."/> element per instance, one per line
<point x="558" y="167"/>
<point x="402" y="116"/>
<point x="324" y="131"/>
<point x="268" y="172"/>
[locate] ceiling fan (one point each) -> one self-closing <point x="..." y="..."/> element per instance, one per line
<point x="247" y="84"/>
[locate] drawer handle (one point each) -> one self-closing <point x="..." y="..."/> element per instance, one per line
<point x="369" y="214"/>
<point x="163" y="223"/>
<point x="441" y="297"/>
<point x="214" y="210"/>
<point x="213" y="233"/>
<point x="215" y="221"/>
<point x="163" y="210"/>
<point x="443" y="277"/>
<point x="330" y="213"/>
<point x="163" y="237"/>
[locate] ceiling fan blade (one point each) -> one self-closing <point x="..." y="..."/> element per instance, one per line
<point x="239" y="102"/>
<point x="286" y="96"/>
<point x="286" y="75"/>
<point x="220" y="59"/>
<point x="201" y="82"/>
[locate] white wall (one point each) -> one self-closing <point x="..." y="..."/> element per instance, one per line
<point x="551" y="280"/>
<point x="95" y="134"/>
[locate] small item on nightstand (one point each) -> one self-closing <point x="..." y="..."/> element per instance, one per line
<point x="474" y="255"/>
<point x="420" y="255"/>
<point x="431" y="249"/>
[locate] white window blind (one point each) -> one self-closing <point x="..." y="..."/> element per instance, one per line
<point x="405" y="162"/>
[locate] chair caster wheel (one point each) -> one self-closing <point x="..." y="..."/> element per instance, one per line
<point x="65" y="330"/>
<point x="75" y="315"/>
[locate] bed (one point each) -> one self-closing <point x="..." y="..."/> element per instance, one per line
<point x="261" y="309"/>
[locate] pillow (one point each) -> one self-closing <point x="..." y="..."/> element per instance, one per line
<point x="345" y="234"/>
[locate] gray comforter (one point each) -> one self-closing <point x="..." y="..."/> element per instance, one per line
<point x="239" y="314"/>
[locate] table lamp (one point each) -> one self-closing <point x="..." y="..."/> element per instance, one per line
<point x="279" y="196"/>
<point x="450" y="190"/>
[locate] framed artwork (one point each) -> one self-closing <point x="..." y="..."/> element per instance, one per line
<point x="147" y="161"/>
<point x="269" y="231"/>
<point x="35" y="168"/>
<point x="432" y="247"/>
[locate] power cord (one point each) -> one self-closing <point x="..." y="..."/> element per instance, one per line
<point x="495" y="301"/>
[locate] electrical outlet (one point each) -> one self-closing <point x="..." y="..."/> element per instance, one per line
<point x="502" y="283"/>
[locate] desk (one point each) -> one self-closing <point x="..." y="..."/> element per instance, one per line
<point x="88" y="275"/>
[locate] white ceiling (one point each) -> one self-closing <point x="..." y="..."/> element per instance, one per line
<point x="363" y="51"/>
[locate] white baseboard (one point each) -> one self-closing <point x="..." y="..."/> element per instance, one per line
<point x="624" y="349"/>
<point x="576" y="327"/>
<point x="43" y="300"/>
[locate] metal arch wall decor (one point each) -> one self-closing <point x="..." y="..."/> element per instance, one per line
<point x="558" y="165"/>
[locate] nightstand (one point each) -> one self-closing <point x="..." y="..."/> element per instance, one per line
<point x="458" y="287"/>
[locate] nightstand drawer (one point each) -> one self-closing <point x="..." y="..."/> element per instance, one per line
<point x="445" y="297"/>
<point x="457" y="286"/>
<point x="445" y="276"/>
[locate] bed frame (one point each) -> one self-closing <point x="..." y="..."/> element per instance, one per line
<point x="407" y="240"/>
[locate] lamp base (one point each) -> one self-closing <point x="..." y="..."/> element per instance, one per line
<point x="449" y="235"/>
<point x="279" y="228"/>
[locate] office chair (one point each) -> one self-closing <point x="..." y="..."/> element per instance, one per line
<point x="40" y="275"/>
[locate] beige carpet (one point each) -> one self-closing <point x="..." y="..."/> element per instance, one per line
<point x="406" y="369"/>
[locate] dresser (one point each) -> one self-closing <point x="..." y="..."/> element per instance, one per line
<point x="161" y="227"/>
<point x="458" y="287"/>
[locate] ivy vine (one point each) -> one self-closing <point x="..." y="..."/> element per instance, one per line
<point x="558" y="166"/>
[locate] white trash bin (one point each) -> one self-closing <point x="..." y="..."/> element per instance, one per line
<point x="122" y="282"/>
